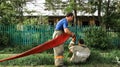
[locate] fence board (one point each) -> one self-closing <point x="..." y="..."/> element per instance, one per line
<point x="37" y="34"/>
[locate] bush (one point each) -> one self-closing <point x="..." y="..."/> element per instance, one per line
<point x="97" y="37"/>
<point x="4" y="39"/>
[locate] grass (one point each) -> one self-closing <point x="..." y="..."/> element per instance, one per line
<point x="98" y="58"/>
<point x="95" y="65"/>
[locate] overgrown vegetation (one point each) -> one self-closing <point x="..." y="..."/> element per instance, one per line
<point x="105" y="58"/>
<point x="10" y="10"/>
<point x="4" y="39"/>
<point x="98" y="37"/>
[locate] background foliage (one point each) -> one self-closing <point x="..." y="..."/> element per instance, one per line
<point x="97" y="37"/>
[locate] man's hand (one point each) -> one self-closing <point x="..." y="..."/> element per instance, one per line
<point x="73" y="37"/>
<point x="66" y="30"/>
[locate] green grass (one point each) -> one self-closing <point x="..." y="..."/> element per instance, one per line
<point x="98" y="58"/>
<point x="18" y="49"/>
<point x="92" y="65"/>
<point x="37" y="59"/>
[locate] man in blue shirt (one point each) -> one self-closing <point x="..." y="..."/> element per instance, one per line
<point x="62" y="27"/>
<point x="62" y="24"/>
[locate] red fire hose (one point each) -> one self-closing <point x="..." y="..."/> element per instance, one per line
<point x="42" y="47"/>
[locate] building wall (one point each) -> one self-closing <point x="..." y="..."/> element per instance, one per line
<point x="81" y="20"/>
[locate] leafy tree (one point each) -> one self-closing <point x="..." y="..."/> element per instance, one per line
<point x="76" y="6"/>
<point x="105" y="7"/>
<point x="66" y="6"/>
<point x="111" y="17"/>
<point x="11" y="11"/>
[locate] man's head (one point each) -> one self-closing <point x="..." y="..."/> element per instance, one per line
<point x="81" y="41"/>
<point x="69" y="16"/>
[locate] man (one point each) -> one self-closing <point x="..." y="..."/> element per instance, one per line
<point x="80" y="52"/>
<point x="62" y="27"/>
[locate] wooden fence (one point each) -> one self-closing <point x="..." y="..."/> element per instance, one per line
<point x="37" y="34"/>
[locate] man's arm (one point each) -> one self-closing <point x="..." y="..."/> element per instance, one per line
<point x="66" y="30"/>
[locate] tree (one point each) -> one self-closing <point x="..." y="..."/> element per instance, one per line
<point x="66" y="6"/>
<point x="106" y="8"/>
<point x="11" y="10"/>
<point x="76" y="6"/>
<point x="99" y="10"/>
<point x="112" y="13"/>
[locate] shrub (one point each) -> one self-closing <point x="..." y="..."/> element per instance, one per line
<point x="97" y="37"/>
<point x="4" y="39"/>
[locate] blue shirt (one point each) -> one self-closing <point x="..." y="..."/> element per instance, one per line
<point x="63" y="23"/>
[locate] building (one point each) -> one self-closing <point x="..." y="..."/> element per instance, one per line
<point x="53" y="17"/>
<point x="81" y="20"/>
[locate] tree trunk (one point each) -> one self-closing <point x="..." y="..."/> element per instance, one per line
<point x="107" y="13"/>
<point x="75" y="13"/>
<point x="99" y="11"/>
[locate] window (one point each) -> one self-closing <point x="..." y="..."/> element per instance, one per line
<point x="85" y="23"/>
